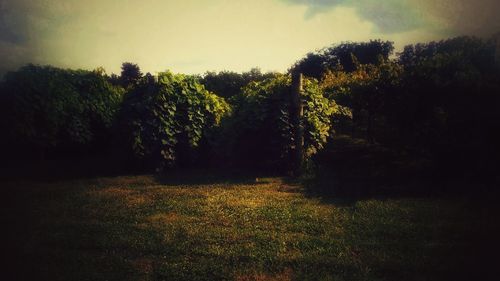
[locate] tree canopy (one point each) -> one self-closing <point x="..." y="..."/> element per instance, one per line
<point x="315" y="64"/>
<point x="130" y="74"/>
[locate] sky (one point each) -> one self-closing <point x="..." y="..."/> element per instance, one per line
<point x="195" y="36"/>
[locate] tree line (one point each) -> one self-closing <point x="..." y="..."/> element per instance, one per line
<point x="439" y="100"/>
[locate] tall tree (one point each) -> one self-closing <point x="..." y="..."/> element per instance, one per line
<point x="130" y="75"/>
<point x="341" y="57"/>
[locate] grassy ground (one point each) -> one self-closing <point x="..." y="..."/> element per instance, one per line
<point x="144" y="228"/>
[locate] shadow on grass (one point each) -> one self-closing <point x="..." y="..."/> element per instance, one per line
<point x="353" y="169"/>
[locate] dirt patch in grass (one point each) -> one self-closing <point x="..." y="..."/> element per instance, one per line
<point x="143" y="265"/>
<point x="285" y="275"/>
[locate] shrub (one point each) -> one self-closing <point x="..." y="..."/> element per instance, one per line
<point x="167" y="116"/>
<point x="48" y="108"/>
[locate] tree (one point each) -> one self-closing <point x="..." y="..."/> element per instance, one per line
<point x="228" y="84"/>
<point x="130" y="75"/>
<point x="340" y="57"/>
<point x="452" y="86"/>
<point x="313" y="65"/>
<point x="365" y="92"/>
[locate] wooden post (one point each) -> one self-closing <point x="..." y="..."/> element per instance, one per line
<point x="296" y="113"/>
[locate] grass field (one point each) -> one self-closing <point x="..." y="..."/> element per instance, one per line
<point x="145" y="228"/>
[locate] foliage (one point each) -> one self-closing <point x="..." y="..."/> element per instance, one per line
<point x="364" y="93"/>
<point x="341" y="57"/>
<point x="167" y="117"/>
<point x="130" y="74"/>
<point x="47" y="107"/>
<point x="453" y="84"/>
<point x="439" y="99"/>
<point x="228" y="83"/>
<point x="475" y="51"/>
<point x="420" y="98"/>
<point x="450" y="103"/>
<point x="225" y="83"/>
<point x="260" y="131"/>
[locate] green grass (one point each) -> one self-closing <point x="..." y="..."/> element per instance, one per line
<point x="142" y="228"/>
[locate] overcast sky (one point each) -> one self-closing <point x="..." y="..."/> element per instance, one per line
<point x="193" y="36"/>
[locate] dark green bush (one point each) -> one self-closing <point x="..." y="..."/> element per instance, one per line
<point x="44" y="108"/>
<point x="166" y="117"/>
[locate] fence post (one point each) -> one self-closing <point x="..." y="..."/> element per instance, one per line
<point x="296" y="114"/>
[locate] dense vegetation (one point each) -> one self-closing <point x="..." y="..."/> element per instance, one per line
<point x="166" y="118"/>
<point x="433" y="103"/>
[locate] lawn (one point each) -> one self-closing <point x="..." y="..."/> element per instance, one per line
<point x="146" y="228"/>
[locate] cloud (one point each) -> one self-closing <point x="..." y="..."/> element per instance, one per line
<point x="315" y="7"/>
<point x="13" y="26"/>
<point x="14" y="35"/>
<point x="388" y="16"/>
<point x="452" y="17"/>
<point x="23" y="26"/>
<point x="463" y="17"/>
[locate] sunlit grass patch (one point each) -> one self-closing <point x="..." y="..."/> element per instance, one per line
<point x="138" y="228"/>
